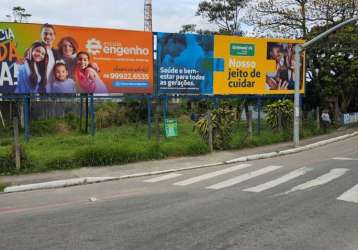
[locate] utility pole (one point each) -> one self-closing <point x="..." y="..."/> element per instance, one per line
<point x="298" y="50"/>
<point x="147" y="15"/>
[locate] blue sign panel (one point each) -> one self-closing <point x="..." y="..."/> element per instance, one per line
<point x="185" y="63"/>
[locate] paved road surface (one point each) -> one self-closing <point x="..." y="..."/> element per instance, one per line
<point x="303" y="201"/>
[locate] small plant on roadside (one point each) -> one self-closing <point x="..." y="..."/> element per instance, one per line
<point x="279" y="115"/>
<point x="7" y="165"/>
<point x="223" y="121"/>
<point x="3" y="186"/>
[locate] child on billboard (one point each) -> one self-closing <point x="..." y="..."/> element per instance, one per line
<point x="67" y="49"/>
<point x="32" y="76"/>
<point x="87" y="78"/>
<point x="62" y="83"/>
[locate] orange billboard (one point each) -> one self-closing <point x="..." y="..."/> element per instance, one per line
<point x="46" y="58"/>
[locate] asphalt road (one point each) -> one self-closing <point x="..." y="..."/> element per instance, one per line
<point x="302" y="201"/>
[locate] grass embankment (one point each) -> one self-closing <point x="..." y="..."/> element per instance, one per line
<point x="2" y="186"/>
<point x="121" y="145"/>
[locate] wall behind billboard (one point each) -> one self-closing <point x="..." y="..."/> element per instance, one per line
<point x="115" y="61"/>
<point x="254" y="66"/>
<point x="185" y="63"/>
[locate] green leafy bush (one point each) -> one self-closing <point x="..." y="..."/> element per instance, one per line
<point x="222" y="126"/>
<point x="110" y="114"/>
<point x="279" y="115"/>
<point x="7" y="165"/>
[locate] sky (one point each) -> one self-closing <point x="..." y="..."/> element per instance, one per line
<point x="168" y="15"/>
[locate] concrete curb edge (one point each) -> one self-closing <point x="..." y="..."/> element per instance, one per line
<point x="91" y="180"/>
<point x="292" y="150"/>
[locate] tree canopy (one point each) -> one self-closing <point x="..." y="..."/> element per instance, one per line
<point x="225" y="14"/>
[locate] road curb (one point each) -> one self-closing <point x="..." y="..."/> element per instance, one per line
<point x="292" y="150"/>
<point x="91" y="180"/>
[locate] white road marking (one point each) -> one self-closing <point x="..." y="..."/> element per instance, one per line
<point x="292" y="175"/>
<point x="344" y="159"/>
<point x="351" y="195"/>
<point x="323" y="179"/>
<point x="163" y="178"/>
<point x="211" y="175"/>
<point x="244" y="177"/>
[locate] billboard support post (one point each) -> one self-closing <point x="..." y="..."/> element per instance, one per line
<point x="149" y="114"/>
<point x="165" y="107"/>
<point x="216" y="103"/>
<point x="258" y="125"/>
<point x="210" y="131"/>
<point x="81" y="111"/>
<point x="26" y="108"/>
<point x="86" y="110"/>
<point x="93" y="127"/>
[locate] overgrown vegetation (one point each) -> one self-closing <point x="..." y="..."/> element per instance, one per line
<point x="2" y="186"/>
<point x="50" y="149"/>
<point x="222" y="122"/>
<point x="279" y="115"/>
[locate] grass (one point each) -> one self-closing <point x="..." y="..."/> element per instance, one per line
<point x="2" y="186"/>
<point x="119" y="145"/>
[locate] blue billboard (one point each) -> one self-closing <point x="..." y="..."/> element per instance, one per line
<point x="185" y="63"/>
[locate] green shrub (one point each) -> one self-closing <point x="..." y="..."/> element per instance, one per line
<point x="3" y="186"/>
<point x="279" y="115"/>
<point x="222" y="127"/>
<point x="7" y="165"/>
<point x="100" y="155"/>
<point x="110" y="114"/>
<point x="6" y="141"/>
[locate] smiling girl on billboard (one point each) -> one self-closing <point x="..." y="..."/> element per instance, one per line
<point x="32" y="74"/>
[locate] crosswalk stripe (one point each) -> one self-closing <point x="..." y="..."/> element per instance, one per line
<point x="351" y="195"/>
<point x="244" y="177"/>
<point x="344" y="159"/>
<point x="211" y="175"/>
<point x="321" y="180"/>
<point x="292" y="175"/>
<point x="163" y="178"/>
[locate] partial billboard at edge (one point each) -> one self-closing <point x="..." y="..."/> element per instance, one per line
<point x="37" y="58"/>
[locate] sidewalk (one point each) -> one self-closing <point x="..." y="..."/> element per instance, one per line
<point x="160" y="165"/>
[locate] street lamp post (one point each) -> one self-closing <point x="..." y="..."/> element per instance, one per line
<point x="298" y="50"/>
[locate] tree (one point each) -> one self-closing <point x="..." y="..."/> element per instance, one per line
<point x="333" y="70"/>
<point x="188" y="28"/>
<point x="191" y="28"/>
<point x="225" y="14"/>
<point x="295" y="18"/>
<point x="19" y="14"/>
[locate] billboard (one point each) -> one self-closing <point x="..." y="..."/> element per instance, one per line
<point x="37" y="58"/>
<point x="185" y="63"/>
<point x="254" y="66"/>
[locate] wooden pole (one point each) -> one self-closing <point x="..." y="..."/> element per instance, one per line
<point x="17" y="144"/>
<point x="210" y="131"/>
<point x="249" y="129"/>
